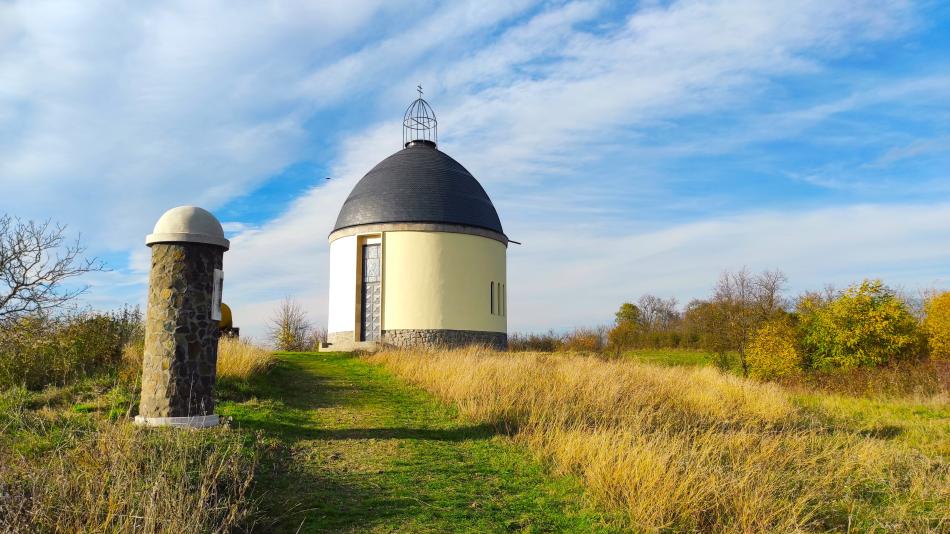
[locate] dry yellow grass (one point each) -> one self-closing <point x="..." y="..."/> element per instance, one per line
<point x="688" y="449"/>
<point x="241" y="359"/>
<point x="121" y="478"/>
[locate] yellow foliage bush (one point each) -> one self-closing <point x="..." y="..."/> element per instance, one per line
<point x="937" y="326"/>
<point x="772" y="351"/>
<point x="866" y="325"/>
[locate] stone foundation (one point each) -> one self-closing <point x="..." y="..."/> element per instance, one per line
<point x="181" y="339"/>
<point x="343" y="341"/>
<point x="445" y="338"/>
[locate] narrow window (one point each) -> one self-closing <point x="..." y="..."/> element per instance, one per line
<point x="492" y="300"/>
<point x="504" y="300"/>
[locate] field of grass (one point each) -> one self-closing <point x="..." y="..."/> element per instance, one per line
<point x="360" y="450"/>
<point x="476" y="441"/>
<point x="676" y="357"/>
<point x="691" y="449"/>
<point x="70" y="461"/>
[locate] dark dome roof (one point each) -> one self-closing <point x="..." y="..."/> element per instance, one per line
<point x="419" y="184"/>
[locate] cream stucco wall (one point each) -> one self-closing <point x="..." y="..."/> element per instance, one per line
<point x="431" y="280"/>
<point x="441" y="280"/>
<point x="342" y="312"/>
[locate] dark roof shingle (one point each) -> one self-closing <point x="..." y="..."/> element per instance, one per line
<point x="419" y="184"/>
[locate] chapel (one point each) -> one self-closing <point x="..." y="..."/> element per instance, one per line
<point x="418" y="253"/>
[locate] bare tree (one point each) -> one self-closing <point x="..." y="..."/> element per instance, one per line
<point x="316" y="337"/>
<point x="35" y="261"/>
<point x="742" y="302"/>
<point x="290" y="328"/>
<point x="658" y="313"/>
<point x="769" y="287"/>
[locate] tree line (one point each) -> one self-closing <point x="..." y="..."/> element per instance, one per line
<point x="749" y="318"/>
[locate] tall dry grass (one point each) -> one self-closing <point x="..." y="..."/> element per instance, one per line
<point x="120" y="478"/>
<point x="688" y="449"/>
<point x="241" y="359"/>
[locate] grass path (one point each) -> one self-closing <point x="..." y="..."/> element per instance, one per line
<point x="357" y="450"/>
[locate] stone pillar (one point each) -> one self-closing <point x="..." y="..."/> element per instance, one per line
<point x="182" y="319"/>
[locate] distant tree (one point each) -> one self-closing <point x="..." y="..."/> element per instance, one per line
<point x="316" y="337"/>
<point x="623" y="336"/>
<point x="768" y="288"/>
<point x="626" y="330"/>
<point x="937" y="325"/>
<point x="289" y="327"/>
<point x="629" y="313"/>
<point x="741" y="302"/>
<point x="658" y="313"/>
<point x="865" y="325"/>
<point x="706" y="321"/>
<point x="35" y="263"/>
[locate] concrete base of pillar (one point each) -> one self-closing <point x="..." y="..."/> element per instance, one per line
<point x="196" y="421"/>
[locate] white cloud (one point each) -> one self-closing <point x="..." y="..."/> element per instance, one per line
<point x="564" y="276"/>
<point x="110" y="115"/>
<point x="535" y="120"/>
<point x="114" y="112"/>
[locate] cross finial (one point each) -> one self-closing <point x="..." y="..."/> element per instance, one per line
<point x="419" y="88"/>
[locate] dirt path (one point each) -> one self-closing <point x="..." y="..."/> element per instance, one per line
<point x="360" y="451"/>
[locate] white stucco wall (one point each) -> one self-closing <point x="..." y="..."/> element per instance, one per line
<point x="342" y="312"/>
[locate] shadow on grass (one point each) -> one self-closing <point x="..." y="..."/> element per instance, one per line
<point x="300" y="431"/>
<point x="288" y="383"/>
<point x="882" y="432"/>
<point x="294" y="490"/>
<point x="296" y="498"/>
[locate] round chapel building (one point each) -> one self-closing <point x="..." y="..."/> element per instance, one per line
<point x="418" y="253"/>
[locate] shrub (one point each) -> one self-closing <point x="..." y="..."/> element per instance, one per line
<point x="773" y="352"/>
<point x="865" y="325"/>
<point x="623" y="336"/>
<point x="289" y="327"/>
<point x="519" y="342"/>
<point x="937" y="325"/>
<point x="902" y="379"/>
<point x="36" y="351"/>
<point x="583" y="340"/>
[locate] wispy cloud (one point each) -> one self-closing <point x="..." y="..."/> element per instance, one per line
<point x="606" y="133"/>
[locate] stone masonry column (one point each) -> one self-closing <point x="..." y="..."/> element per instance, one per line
<point x="181" y="324"/>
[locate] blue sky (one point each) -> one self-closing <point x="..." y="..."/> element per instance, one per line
<point x="632" y="147"/>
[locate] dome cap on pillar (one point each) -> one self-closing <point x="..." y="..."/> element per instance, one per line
<point x="188" y="224"/>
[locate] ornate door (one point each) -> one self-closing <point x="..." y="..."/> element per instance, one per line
<point x="371" y="291"/>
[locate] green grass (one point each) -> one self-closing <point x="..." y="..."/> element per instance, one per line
<point x="355" y="449"/>
<point x="923" y="424"/>
<point x="678" y="357"/>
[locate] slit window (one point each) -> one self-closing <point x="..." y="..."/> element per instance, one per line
<point x="492" y="298"/>
<point x="503" y="302"/>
